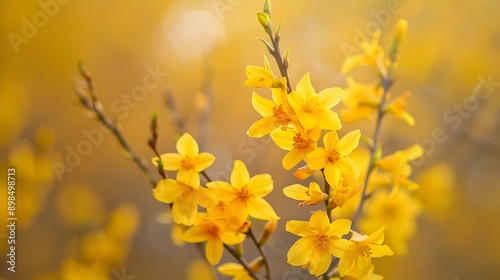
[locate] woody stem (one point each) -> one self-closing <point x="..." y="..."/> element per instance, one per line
<point x="261" y="251"/>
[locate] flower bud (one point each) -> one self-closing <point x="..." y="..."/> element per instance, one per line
<point x="238" y="249"/>
<point x="303" y="173"/>
<point x="268" y="231"/>
<point x="256" y="264"/>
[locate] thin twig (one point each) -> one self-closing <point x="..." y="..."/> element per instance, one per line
<point x="327" y="191"/>
<point x="261" y="251"/>
<point x="241" y="261"/>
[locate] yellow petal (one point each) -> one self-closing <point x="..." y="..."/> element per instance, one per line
<point x="331" y="141"/>
<point x="376" y="237"/>
<point x="260" y="209"/>
<point x="327" y="119"/>
<point x="231" y="269"/>
<point x="195" y="235"/>
<point x="203" y="161"/>
<point x="348" y="167"/>
<point x="357" y="113"/>
<point x="297" y="192"/>
<point x="317" y="159"/>
<point x="189" y="177"/>
<point x="296" y="101"/>
<point x="293" y="157"/>
<point x="260" y="185"/>
<point x="205" y="198"/>
<point x="184" y="210"/>
<point x="300" y="228"/>
<point x="330" y="97"/>
<point x="380" y="251"/>
<point x="340" y="227"/>
<point x="264" y="126"/>
<point x="337" y="246"/>
<point x="332" y="174"/>
<point x="346" y="265"/>
<point x="280" y="94"/>
<point x="231" y="237"/>
<point x="263" y="106"/>
<point x="171" y="161"/>
<point x="303" y="173"/>
<point x="349" y="142"/>
<point x="187" y="146"/>
<point x="308" y="120"/>
<point x="213" y="250"/>
<point x="284" y="138"/>
<point x="305" y="88"/>
<point x="352" y="61"/>
<point x="237" y="214"/>
<point x="301" y="251"/>
<point x="167" y="191"/>
<point x="222" y="190"/>
<point x="363" y="266"/>
<point x="239" y="175"/>
<point x="319" y="221"/>
<point x="320" y="261"/>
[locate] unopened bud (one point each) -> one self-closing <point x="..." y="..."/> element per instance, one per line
<point x="267" y="7"/>
<point x="303" y="173"/>
<point x="401" y="30"/>
<point x="256" y="264"/>
<point x="268" y="231"/>
<point x="238" y="249"/>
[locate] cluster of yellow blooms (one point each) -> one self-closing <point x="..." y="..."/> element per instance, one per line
<point x="295" y="120"/>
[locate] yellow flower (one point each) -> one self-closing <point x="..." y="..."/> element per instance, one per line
<point x="437" y="191"/>
<point x="188" y="161"/>
<point x="303" y="173"/>
<point x="352" y="276"/>
<point x="309" y="196"/>
<point x="334" y="157"/>
<point x="398" y="106"/>
<point x="357" y="253"/>
<point x="298" y="143"/>
<point x="185" y="199"/>
<point x="245" y="196"/>
<point x="238" y="271"/>
<point x="261" y="77"/>
<point x="320" y="239"/>
<point x="396" y="165"/>
<point x="215" y="232"/>
<point x="276" y="113"/>
<point x="345" y="189"/>
<point x="373" y="55"/>
<point x="313" y="109"/>
<point x="361" y="100"/>
<point x="398" y="212"/>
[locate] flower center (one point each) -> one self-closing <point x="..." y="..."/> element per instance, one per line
<point x="322" y="239"/>
<point x="333" y="156"/>
<point x="299" y="142"/>
<point x="310" y="106"/>
<point x="243" y="194"/>
<point x="365" y="250"/>
<point x="214" y="230"/>
<point x="187" y="163"/>
<point x="279" y="113"/>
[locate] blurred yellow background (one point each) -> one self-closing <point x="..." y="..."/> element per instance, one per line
<point x="197" y="50"/>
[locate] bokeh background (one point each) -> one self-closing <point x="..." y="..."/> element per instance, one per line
<point x="201" y="48"/>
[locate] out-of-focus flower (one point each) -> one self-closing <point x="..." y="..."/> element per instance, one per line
<point x="185" y="199"/>
<point x="215" y="232"/>
<point x="308" y="196"/>
<point x="396" y="165"/>
<point x="398" y="106"/>
<point x="345" y="189"/>
<point x="78" y="205"/>
<point x="436" y="191"/>
<point x="320" y="239"/>
<point x="245" y="196"/>
<point x="373" y="55"/>
<point x="352" y="276"/>
<point x="189" y="162"/>
<point x="261" y="77"/>
<point x="238" y="271"/>
<point x="298" y="143"/>
<point x="313" y="109"/>
<point x="356" y="254"/>
<point x="200" y="270"/>
<point x="361" y="100"/>
<point x="334" y="157"/>
<point x="398" y="212"/>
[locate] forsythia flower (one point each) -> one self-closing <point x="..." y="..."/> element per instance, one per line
<point x="261" y="77"/>
<point x="334" y="157"/>
<point x="188" y="161"/>
<point x="276" y="113"/>
<point x="303" y="173"/>
<point x="373" y="55"/>
<point x="398" y="168"/>
<point x="436" y="192"/>
<point x="398" y="106"/>
<point x="320" y="239"/>
<point x="299" y="144"/>
<point x="238" y="271"/>
<point x="215" y="232"/>
<point x="361" y="100"/>
<point x="314" y="110"/>
<point x="345" y="189"/>
<point x="309" y="196"/>
<point x="185" y="199"/>
<point x="352" y="276"/>
<point x="357" y="253"/>
<point x="398" y="212"/>
<point x="245" y="196"/>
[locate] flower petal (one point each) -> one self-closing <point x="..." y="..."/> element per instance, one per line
<point x="195" y="235"/>
<point x="301" y="251"/>
<point x="263" y="106"/>
<point x="237" y="214"/>
<point x="184" y="210"/>
<point x="231" y="269"/>
<point x="168" y="191"/>
<point x="308" y="120"/>
<point x="331" y="141"/>
<point x="222" y="190"/>
<point x="348" y="167"/>
<point x="346" y="265"/>
<point x="376" y="237"/>
<point x="187" y="146"/>
<point x="327" y="119"/>
<point x="213" y="250"/>
<point x="239" y="175"/>
<point x="205" y="198"/>
<point x="352" y="61"/>
<point x="293" y="157"/>
<point x="297" y="192"/>
<point x="260" y="185"/>
<point x="305" y="88"/>
<point x="231" y="237"/>
<point x="203" y="161"/>
<point x="332" y="174"/>
<point x="317" y="159"/>
<point x="260" y="209"/>
<point x="300" y="228"/>
<point x="170" y="161"/>
<point x="320" y="261"/>
<point x="380" y="251"/>
<point x="330" y="97"/>
<point x="349" y="142"/>
<point x="264" y="126"/>
<point x="320" y="222"/>
<point x="296" y="101"/>
<point x="189" y="177"/>
<point x="340" y="227"/>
